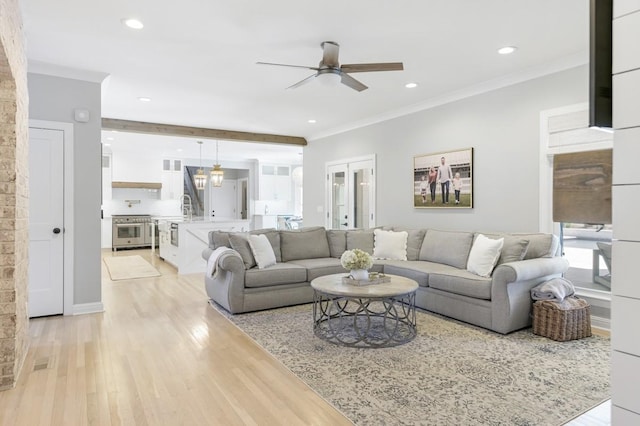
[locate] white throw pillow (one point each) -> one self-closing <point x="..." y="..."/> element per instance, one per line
<point x="390" y="245"/>
<point x="262" y="251"/>
<point x="484" y="255"/>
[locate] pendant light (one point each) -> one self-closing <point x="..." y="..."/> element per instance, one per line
<point x="217" y="174"/>
<point x="200" y="179"/>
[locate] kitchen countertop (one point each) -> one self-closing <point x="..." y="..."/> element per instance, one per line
<point x="198" y="219"/>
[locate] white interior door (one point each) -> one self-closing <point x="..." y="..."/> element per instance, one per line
<point x="224" y="200"/>
<point x="46" y="219"/>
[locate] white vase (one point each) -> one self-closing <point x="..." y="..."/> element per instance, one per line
<point x="359" y="274"/>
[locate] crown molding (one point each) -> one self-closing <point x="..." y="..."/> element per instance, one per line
<point x="39" y="67"/>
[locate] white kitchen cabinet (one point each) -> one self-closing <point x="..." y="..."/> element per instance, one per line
<point x="172" y="179"/>
<point x="168" y="252"/>
<point x="265" y="221"/>
<point x="275" y="182"/>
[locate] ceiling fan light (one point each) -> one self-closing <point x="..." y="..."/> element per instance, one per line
<point x="329" y="79"/>
<point x="217" y="175"/>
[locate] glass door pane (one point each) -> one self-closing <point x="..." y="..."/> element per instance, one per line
<point x="588" y="250"/>
<point x="362" y="179"/>
<point x="338" y="217"/>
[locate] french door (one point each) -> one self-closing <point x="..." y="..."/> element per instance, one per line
<point x="351" y="193"/>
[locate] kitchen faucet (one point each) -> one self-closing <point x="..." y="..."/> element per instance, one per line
<point x="186" y="206"/>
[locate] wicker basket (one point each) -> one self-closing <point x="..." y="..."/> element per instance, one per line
<point x="562" y="321"/>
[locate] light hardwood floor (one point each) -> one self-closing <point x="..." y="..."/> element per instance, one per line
<point x="159" y="355"/>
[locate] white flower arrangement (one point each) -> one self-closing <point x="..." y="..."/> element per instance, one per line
<point x="356" y="259"/>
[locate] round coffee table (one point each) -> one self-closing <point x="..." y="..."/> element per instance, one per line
<point x="371" y="316"/>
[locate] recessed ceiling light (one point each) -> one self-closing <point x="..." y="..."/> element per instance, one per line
<point x="133" y="23"/>
<point x="107" y="144"/>
<point x="144" y="99"/>
<point x="109" y="138"/>
<point x="312" y="121"/>
<point x="179" y="149"/>
<point x="507" y="50"/>
<point x="411" y="85"/>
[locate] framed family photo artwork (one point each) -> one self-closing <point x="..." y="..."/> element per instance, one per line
<point x="443" y="179"/>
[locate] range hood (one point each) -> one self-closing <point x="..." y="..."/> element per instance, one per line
<point x="137" y="185"/>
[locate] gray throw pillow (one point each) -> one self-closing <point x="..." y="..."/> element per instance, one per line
<point x="240" y="243"/>
<point x="514" y="248"/>
<point x="337" y="242"/>
<point x="219" y="239"/>
<point x="305" y="243"/>
<point x="449" y="248"/>
<point x="540" y="245"/>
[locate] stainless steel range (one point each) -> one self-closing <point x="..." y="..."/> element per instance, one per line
<point x="131" y="231"/>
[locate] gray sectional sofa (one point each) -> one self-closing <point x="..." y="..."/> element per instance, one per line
<point x="436" y="259"/>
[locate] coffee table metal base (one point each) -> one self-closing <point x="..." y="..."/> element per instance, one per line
<point x="364" y="322"/>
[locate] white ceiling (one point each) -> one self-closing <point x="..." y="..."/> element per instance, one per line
<point x="196" y="59"/>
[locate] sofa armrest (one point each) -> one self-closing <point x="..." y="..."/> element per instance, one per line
<point x="226" y="286"/>
<point x="528" y="269"/>
<point x="206" y="253"/>
<point x="511" y="290"/>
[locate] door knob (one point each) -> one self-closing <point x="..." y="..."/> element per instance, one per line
<point x="56" y="230"/>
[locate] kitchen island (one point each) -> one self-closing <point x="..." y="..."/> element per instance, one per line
<point x="182" y="240"/>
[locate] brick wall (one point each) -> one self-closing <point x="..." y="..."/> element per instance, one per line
<point x="14" y="194"/>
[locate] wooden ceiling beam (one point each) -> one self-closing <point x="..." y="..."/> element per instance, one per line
<point x="198" y="132"/>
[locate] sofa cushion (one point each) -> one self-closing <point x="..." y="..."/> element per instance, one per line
<point x="462" y="282"/>
<point x="262" y="251"/>
<point x="337" y="242"/>
<point x="390" y="244"/>
<point x="278" y="274"/>
<point x="415" y="270"/>
<point x="305" y="243"/>
<point x="320" y="267"/>
<point x="540" y="245"/>
<point x="360" y="239"/>
<point x="414" y="241"/>
<point x="484" y="255"/>
<point x="450" y="248"/>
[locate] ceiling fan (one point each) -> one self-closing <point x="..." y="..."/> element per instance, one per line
<point x="329" y="67"/>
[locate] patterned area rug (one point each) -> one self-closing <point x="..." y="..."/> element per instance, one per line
<point x="451" y="374"/>
<point x="129" y="267"/>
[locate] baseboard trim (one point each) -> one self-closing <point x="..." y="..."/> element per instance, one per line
<point x="602" y="323"/>
<point x="88" y="308"/>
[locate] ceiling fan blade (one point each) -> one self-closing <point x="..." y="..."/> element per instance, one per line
<point x="301" y="82"/>
<point x="385" y="66"/>
<point x="330" y="50"/>
<point x="352" y="82"/>
<point x="287" y="65"/>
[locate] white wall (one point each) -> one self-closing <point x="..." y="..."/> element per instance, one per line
<point x="503" y="128"/>
<point x="54" y="99"/>
<point x="625" y="302"/>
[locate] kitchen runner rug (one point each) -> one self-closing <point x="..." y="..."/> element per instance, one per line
<point x="451" y="374"/>
<point x="129" y="267"/>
